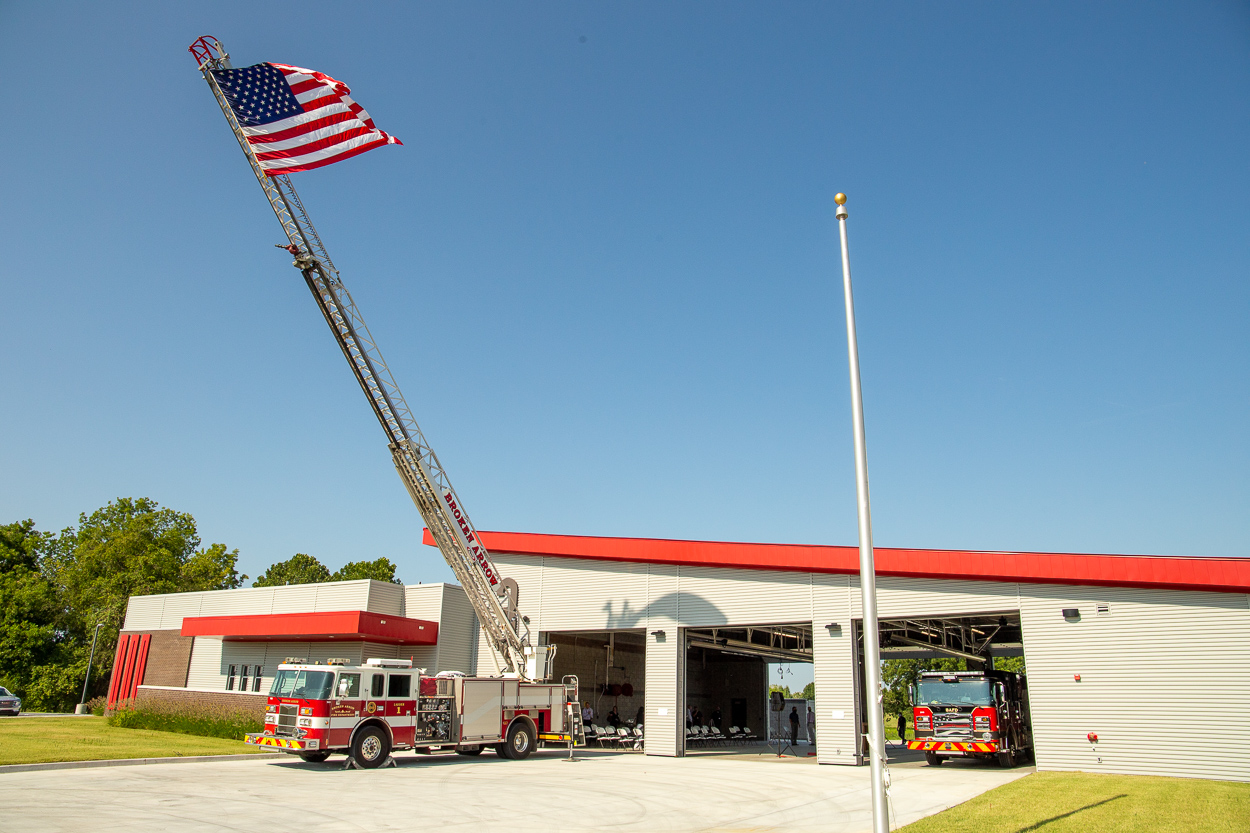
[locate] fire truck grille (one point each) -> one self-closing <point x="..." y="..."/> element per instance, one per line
<point x="952" y="725"/>
<point x="287" y="718"/>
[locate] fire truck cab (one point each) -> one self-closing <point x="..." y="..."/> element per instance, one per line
<point x="975" y="714"/>
<point x="367" y="711"/>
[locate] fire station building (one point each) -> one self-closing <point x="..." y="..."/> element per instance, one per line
<point x="1149" y="655"/>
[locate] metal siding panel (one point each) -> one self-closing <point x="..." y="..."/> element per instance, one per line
<point x="340" y="595"/>
<point x="424" y="601"/>
<point x="206" y="669"/>
<point x="937" y="597"/>
<point x="712" y="596"/>
<point x="834" y="657"/>
<point x="144" y="613"/>
<point x="664" y="693"/>
<point x="299" y="598"/>
<point x="1164" y="680"/>
<point x="385" y="597"/>
<point x="456" y="629"/>
<point x="568" y="595"/>
<point x="177" y="607"/>
<point x="487" y="662"/>
<point x="251" y="600"/>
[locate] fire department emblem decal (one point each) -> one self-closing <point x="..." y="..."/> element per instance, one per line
<point x="342" y="711"/>
<point x="371" y="708"/>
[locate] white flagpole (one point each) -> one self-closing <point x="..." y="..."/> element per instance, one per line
<point x="867" y="572"/>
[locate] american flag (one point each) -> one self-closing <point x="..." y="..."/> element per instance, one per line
<point x="296" y="119"/>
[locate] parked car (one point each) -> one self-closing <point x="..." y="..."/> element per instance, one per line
<point x="9" y="703"/>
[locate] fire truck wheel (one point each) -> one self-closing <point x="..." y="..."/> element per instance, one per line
<point x="1006" y="760"/>
<point x="371" y="747"/>
<point x="314" y="757"/>
<point x="933" y="759"/>
<point x="520" y="741"/>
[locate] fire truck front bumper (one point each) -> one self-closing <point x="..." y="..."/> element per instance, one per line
<point x="958" y="746"/>
<point x="257" y="739"/>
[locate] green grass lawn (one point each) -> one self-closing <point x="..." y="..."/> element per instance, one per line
<point x="1067" y="802"/>
<point x="42" y="739"/>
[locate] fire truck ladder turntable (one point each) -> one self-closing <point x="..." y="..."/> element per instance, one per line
<point x="493" y="597"/>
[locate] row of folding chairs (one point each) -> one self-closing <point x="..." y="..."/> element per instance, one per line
<point x="711" y="736"/>
<point x="622" y="737"/>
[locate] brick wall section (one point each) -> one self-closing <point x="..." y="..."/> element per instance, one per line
<point x="253" y="703"/>
<point x="169" y="658"/>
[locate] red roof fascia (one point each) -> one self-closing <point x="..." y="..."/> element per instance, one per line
<point x="324" y="625"/>
<point x="1223" y="575"/>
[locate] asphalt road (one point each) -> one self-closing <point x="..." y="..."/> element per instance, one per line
<point x="624" y="792"/>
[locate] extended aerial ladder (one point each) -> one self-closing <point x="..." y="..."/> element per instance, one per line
<point x="494" y="598"/>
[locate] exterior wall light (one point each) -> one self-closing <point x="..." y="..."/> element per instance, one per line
<point x="1071" y="613"/>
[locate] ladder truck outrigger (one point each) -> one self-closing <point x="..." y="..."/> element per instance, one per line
<point x="368" y="710"/>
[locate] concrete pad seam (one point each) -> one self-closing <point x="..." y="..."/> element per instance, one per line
<point x="172" y="759"/>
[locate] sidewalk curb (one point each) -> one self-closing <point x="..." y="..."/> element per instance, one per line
<point x="172" y="759"/>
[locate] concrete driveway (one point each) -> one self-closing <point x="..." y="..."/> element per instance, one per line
<point x="604" y="791"/>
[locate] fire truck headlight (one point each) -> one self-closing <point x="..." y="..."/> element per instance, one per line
<point x="271" y="718"/>
<point x="306" y="710"/>
<point x="305" y="721"/>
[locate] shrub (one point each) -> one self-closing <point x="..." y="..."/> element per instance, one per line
<point x="97" y="705"/>
<point x="188" y="719"/>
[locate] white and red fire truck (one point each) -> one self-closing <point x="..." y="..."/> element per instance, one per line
<point x="975" y="714"/>
<point x="367" y="711"/>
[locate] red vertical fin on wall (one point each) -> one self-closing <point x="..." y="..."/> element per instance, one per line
<point x="119" y="662"/>
<point x="123" y="689"/>
<point x="141" y="664"/>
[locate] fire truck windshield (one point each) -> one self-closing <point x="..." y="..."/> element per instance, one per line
<point x="309" y="685"/>
<point x="959" y="692"/>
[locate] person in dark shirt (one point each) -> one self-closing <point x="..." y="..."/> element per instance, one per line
<point x="902" y="728"/>
<point x="638" y="717"/>
<point x="794" y="726"/>
<point x="716" y="718"/>
<point x="614" y="718"/>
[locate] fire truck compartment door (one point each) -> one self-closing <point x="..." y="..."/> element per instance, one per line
<point x="481" y="710"/>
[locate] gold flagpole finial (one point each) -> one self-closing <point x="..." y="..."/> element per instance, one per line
<point x="839" y="198"/>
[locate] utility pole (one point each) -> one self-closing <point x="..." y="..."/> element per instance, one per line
<point x="81" y="708"/>
<point x="867" y="572"/>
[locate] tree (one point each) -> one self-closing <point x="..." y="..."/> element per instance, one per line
<point x="898" y="675"/>
<point x="298" y="569"/>
<point x="130" y="547"/>
<point x="304" y="569"/>
<point x="809" y="691"/>
<point x="29" y="607"/>
<point x="380" y="569"/>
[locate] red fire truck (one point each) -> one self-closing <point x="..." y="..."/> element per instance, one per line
<point x="366" y="711"/>
<point x="975" y="714"/>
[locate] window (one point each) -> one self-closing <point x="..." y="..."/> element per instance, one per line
<point x="349" y="685"/>
<point x="230" y="677"/>
<point x="309" y="685"/>
<point x="400" y="685"/>
<point x="956" y="692"/>
<point x="243" y="678"/>
<point x="256" y="680"/>
<point x="379" y="685"/>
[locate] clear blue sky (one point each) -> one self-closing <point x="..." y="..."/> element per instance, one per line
<point x="604" y="270"/>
